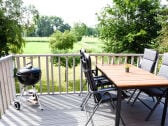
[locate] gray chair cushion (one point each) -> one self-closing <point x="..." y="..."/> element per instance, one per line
<point x="150" y="54"/>
<point x="165" y="59"/>
<point x="163" y="71"/>
<point x="147" y="65"/>
<point x="149" y="60"/>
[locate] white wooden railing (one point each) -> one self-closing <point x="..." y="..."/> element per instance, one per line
<point x="7" y="83"/>
<point x="55" y="79"/>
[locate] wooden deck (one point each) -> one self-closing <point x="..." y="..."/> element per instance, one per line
<point x="64" y="110"/>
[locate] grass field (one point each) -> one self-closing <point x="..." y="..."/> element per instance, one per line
<point x="40" y="45"/>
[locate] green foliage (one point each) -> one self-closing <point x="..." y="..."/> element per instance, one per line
<point x="92" y="32"/>
<point x="31" y="15"/>
<point x="129" y="26"/>
<point x="62" y="41"/>
<point x="46" y="25"/>
<point x="161" y="42"/>
<point x="10" y="27"/>
<point x="79" y="30"/>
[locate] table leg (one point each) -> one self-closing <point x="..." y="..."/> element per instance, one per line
<point x="164" y="109"/>
<point x="118" y="108"/>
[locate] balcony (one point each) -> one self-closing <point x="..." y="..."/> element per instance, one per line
<point x="59" y="91"/>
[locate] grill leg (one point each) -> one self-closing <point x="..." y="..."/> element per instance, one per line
<point x="23" y="89"/>
<point x="37" y="98"/>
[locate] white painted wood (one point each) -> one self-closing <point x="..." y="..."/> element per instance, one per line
<point x="74" y="75"/>
<point x="52" y="74"/>
<point x="1" y="101"/>
<point x="8" y="78"/>
<point x="66" y="74"/>
<point x="39" y="65"/>
<point x="59" y="74"/>
<point x="12" y="80"/>
<point x="47" y="75"/>
<point x="3" y="86"/>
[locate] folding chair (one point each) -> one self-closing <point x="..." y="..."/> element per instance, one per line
<point x="148" y="63"/>
<point x="101" y="81"/>
<point x="100" y="95"/>
<point x="156" y="92"/>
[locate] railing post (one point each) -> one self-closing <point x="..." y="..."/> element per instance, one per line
<point x="52" y="75"/>
<point x="39" y="65"/>
<point x="81" y="77"/>
<point x="1" y="101"/>
<point x="74" y="74"/>
<point x="66" y="74"/>
<point x="59" y="74"/>
<point x="47" y="76"/>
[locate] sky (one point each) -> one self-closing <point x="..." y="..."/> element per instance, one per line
<point x="71" y="11"/>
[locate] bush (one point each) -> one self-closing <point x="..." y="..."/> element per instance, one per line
<point x="62" y="41"/>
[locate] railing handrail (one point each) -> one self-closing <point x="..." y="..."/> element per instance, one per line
<point x="5" y="58"/>
<point x="77" y="54"/>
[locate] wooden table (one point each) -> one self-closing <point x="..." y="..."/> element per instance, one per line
<point x="135" y="78"/>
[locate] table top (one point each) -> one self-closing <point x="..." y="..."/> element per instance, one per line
<point x="135" y="78"/>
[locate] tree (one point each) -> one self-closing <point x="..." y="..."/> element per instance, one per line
<point x="79" y="29"/>
<point x="129" y="26"/>
<point x="30" y="18"/>
<point x="62" y="43"/>
<point x="92" y="32"/>
<point x="13" y="20"/>
<point x="46" y="25"/>
<point x="161" y="42"/>
<point x="10" y="27"/>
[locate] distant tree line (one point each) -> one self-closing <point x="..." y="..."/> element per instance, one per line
<point x="46" y="25"/>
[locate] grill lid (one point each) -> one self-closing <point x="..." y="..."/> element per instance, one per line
<point x="29" y="75"/>
<point x="28" y="70"/>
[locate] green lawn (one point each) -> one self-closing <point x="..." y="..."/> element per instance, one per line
<point x="37" y="48"/>
<point x="40" y="45"/>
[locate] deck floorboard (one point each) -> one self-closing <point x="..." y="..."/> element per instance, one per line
<point x="64" y="110"/>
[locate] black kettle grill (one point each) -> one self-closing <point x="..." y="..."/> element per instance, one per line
<point x="28" y="76"/>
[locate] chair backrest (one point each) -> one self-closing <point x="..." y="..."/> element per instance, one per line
<point x="82" y="51"/>
<point x="89" y="75"/>
<point x="163" y="71"/>
<point x="149" y="60"/>
<point x="82" y="58"/>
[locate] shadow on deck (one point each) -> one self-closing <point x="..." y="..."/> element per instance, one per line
<point x="64" y="110"/>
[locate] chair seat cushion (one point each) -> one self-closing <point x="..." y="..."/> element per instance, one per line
<point x="106" y="96"/>
<point x="158" y="92"/>
<point x="102" y="81"/>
